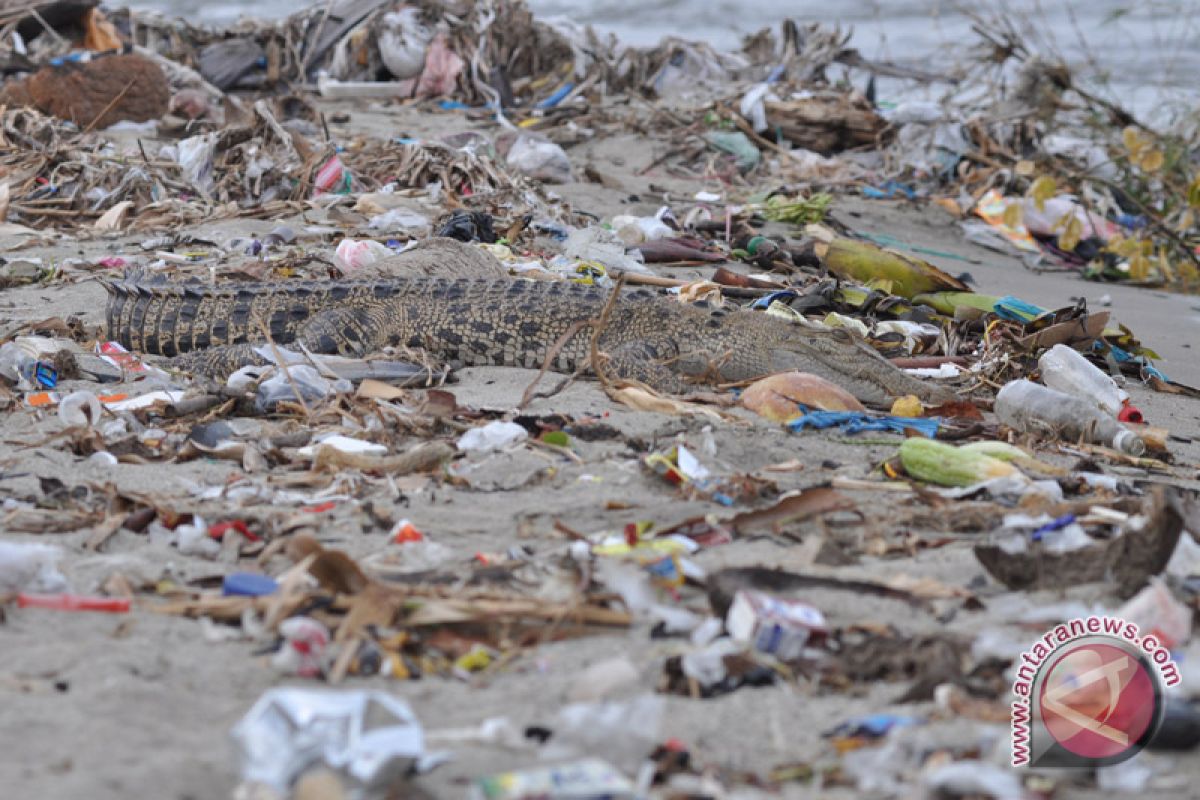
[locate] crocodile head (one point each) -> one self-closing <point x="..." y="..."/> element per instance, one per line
<point x="750" y="344"/>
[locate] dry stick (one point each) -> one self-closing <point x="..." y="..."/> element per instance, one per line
<point x="281" y="362"/>
<point x="108" y="107"/>
<point x="558" y="345"/>
<point x="316" y="38"/>
<point x="33" y="12"/>
<point x="561" y="342"/>
<point x="601" y="324"/>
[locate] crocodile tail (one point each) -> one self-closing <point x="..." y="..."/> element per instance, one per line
<point x="118" y="295"/>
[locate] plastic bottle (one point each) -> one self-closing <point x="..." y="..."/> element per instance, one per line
<point x="1027" y="406"/>
<point x="1067" y="371"/>
<point x="18" y="366"/>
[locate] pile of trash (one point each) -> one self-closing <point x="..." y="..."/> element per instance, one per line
<point x="643" y="570"/>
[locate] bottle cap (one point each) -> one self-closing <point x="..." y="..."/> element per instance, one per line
<point x="1130" y="414"/>
<point x="1129" y="442"/>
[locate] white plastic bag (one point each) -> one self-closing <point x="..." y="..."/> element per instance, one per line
<point x="539" y="159"/>
<point x="30" y="567"/>
<point x="352" y="254"/>
<point x="493" y="436"/>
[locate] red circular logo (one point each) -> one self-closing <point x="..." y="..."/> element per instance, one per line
<point x="1097" y="700"/>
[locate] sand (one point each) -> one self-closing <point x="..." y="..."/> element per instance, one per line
<point x="140" y="705"/>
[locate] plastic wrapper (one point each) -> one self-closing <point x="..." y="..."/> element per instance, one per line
<point x="369" y="738"/>
<point x="30" y="567"/>
<point x="195" y="157"/>
<point x="539" y="159"/>
<point x="1156" y="612"/>
<point x="303" y="650"/>
<point x="192" y="539"/>
<point x="282" y="387"/>
<point x="493" y="436"/>
<point x="636" y="230"/>
<point x="780" y="627"/>
<point x="589" y="778"/>
<point x="974" y="779"/>
<point x="333" y="178"/>
<point x="1050" y="219"/>
<point x="398" y="219"/>
<point x="352" y="254"/>
<point x="79" y="410"/>
<point x="602" y="247"/>
<point x="623" y="733"/>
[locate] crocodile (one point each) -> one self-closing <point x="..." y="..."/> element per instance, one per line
<point x="215" y="330"/>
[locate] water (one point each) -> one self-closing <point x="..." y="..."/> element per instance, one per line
<point x="1140" y="53"/>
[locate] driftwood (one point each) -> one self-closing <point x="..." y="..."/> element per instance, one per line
<point x="826" y="123"/>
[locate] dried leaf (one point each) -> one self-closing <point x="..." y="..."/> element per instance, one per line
<point x="114" y="218"/>
<point x="809" y="503"/>
<point x="1164" y="267"/>
<point x="1013" y="215"/>
<point x="1042" y="190"/>
<point x="644" y="400"/>
<point x="1139" y="267"/>
<point x="1193" y="192"/>
<point x="1068" y="240"/>
<point x="333" y="569"/>
<point x="1152" y="160"/>
<point x="1132" y="140"/>
<point x="378" y="390"/>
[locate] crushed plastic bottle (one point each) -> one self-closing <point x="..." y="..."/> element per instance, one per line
<point x="1066" y="370"/>
<point x="283" y="386"/>
<point x="369" y="738"/>
<point x="1033" y="408"/>
<point x="28" y="372"/>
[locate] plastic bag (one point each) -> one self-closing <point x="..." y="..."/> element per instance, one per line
<point x="282" y="387"/>
<point x="402" y="43"/>
<point x="371" y="738"/>
<point x="493" y="436"/>
<point x="196" y="159"/>
<point x="623" y="733"/>
<point x="352" y="254"/>
<point x="30" y="567"/>
<point x="539" y="159"/>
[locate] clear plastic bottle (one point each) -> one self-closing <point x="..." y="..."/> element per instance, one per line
<point x="1066" y="370"/>
<point x="1033" y="408"/>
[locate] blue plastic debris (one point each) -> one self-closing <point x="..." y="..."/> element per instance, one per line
<point x="873" y="726"/>
<point x="1050" y="527"/>
<point x="1124" y="356"/>
<point x="858" y="421"/>
<point x="248" y="584"/>
<point x="41" y="374"/>
<point x="557" y="97"/>
<point x="1017" y="310"/>
<point x="782" y="296"/>
<point x="890" y="189"/>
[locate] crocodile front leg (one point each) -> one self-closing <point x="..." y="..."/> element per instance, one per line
<point x="648" y="361"/>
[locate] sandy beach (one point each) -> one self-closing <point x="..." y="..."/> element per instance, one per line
<point x="103" y="706"/>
